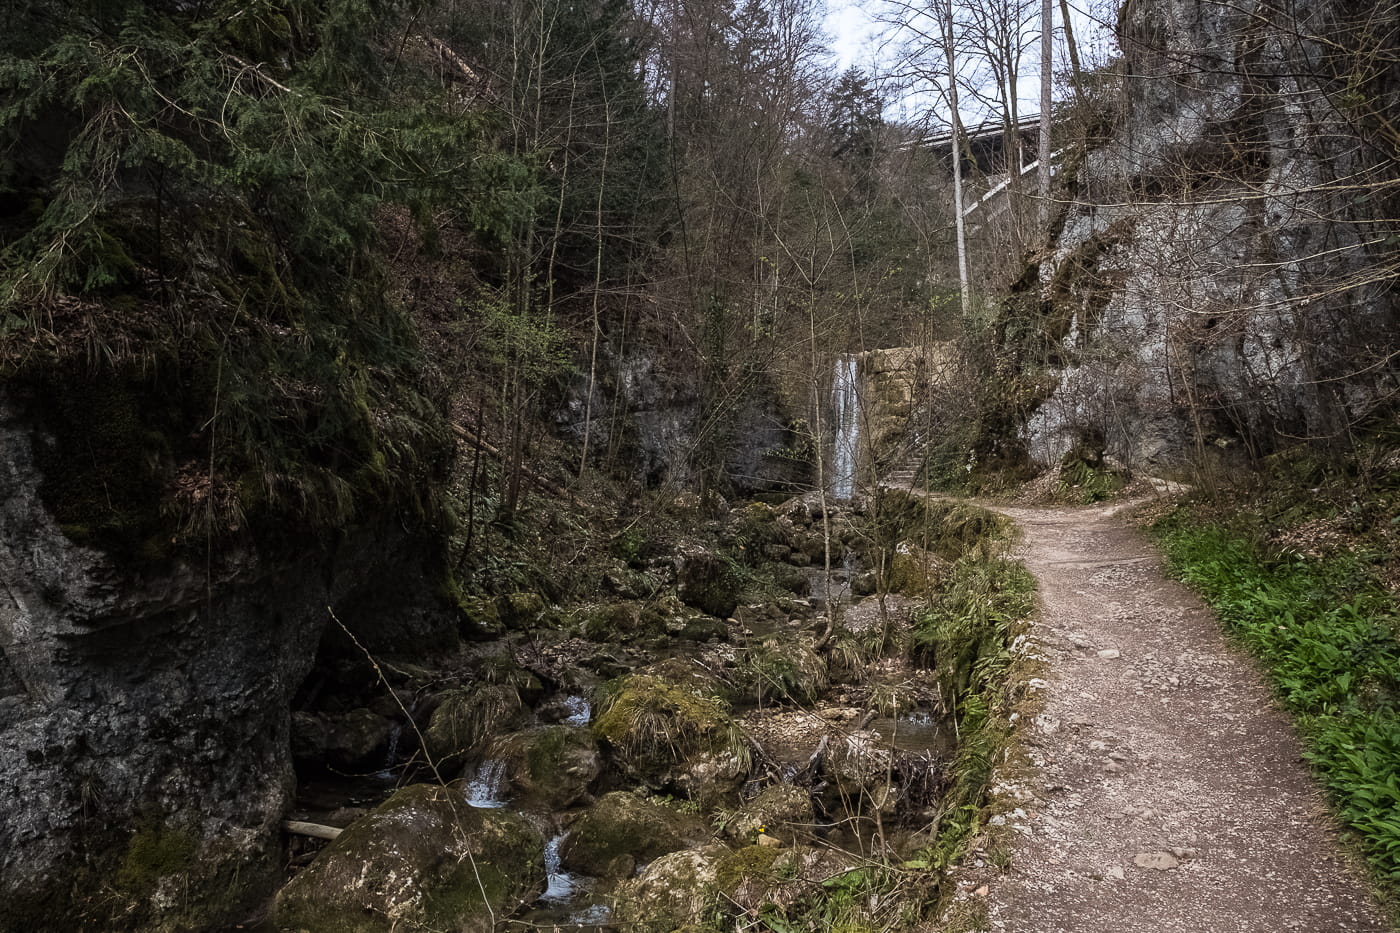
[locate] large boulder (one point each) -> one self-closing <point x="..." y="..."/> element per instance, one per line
<point x="674" y="890"/>
<point x="706" y="582"/>
<point x="423" y="861"/>
<point x="550" y="765"/>
<point x="623" y="830"/>
<point x="465" y="718"/>
<point x="653" y="727"/>
<point x="782" y="811"/>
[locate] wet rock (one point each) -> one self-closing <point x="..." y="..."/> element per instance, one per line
<point x="550" y="765"/>
<point x="781" y="811"/>
<point x="424" y="860"/>
<point x="674" y="890"/>
<point x="624" y="828"/>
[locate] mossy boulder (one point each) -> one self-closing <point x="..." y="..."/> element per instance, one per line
<point x="759" y="877"/>
<point x="783" y="668"/>
<point x="422" y="861"/>
<point x="913" y="571"/>
<point x="550" y="765"/>
<point x="705" y="581"/>
<point x="674" y="890"/>
<point x="465" y="718"/>
<point x="791" y="579"/>
<point x="520" y="607"/>
<point x="651" y="726"/>
<point x="782" y="811"/>
<point x="624" y="829"/>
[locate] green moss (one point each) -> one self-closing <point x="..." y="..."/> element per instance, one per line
<point x="154" y="853"/>
<point x="652" y="724"/>
<point x="747" y="862"/>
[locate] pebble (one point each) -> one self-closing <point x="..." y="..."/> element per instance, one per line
<point x="1108" y="654"/>
<point x="1116" y="873"/>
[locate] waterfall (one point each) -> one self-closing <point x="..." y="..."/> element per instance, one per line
<point x="561" y="883"/>
<point x="487" y="788"/>
<point x="846" y="433"/>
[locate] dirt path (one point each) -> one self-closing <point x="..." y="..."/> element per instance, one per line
<point x="1170" y="795"/>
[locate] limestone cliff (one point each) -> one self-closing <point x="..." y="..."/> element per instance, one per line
<point x="1224" y="276"/>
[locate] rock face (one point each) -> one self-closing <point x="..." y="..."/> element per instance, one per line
<point x="650" y="409"/>
<point x="424" y="861"/>
<point x="144" y="723"/>
<point x="1220" y="280"/>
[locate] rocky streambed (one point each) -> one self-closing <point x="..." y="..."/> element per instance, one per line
<point x="672" y="755"/>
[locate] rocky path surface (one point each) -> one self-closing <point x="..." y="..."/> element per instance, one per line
<point x="1170" y="796"/>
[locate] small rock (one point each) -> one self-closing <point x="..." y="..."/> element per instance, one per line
<point x="1112" y="767"/>
<point x="1108" y="654"/>
<point x="772" y="842"/>
<point x="982" y="891"/>
<point x="1115" y="873"/>
<point x="1183" y="852"/>
<point x="1157" y="861"/>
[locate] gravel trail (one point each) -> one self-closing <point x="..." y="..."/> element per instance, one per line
<point x="1170" y="796"/>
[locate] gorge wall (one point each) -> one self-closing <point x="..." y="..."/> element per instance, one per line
<point x="144" y="763"/>
<point x="1223" y="280"/>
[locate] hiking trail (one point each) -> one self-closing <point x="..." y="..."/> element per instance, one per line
<point x="1170" y="795"/>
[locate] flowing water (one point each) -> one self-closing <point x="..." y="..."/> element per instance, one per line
<point x="486" y="789"/>
<point x="846" y="431"/>
<point x="580" y="711"/>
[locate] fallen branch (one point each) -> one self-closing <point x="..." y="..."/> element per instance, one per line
<point x="552" y="488"/>
<point x="314" y="830"/>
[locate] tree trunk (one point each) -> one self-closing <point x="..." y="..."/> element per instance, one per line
<point x="1047" y="29"/>
<point x="956" y="123"/>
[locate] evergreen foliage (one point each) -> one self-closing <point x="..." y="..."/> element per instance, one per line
<point x="194" y="196"/>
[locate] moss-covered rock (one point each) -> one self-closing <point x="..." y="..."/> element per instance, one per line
<point x="652" y="726"/>
<point x="423" y="861"/>
<point x="550" y="765"/>
<point x="674" y="890"/>
<point x="623" y="829"/>
<point x="705" y="581"/>
<point x="465" y="718"/>
<point x="783" y="668"/>
<point x="913" y="571"/>
<point x="759" y="877"/>
<point x="782" y="811"/>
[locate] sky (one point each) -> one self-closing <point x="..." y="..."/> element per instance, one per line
<point x="856" y="38"/>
